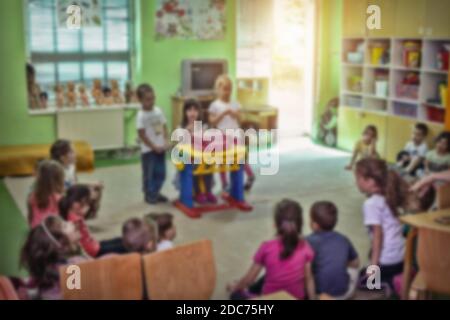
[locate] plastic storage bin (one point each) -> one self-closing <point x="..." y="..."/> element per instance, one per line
<point x="405" y="110"/>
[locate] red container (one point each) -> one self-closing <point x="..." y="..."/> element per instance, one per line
<point x="435" y="114"/>
<point x="408" y="91"/>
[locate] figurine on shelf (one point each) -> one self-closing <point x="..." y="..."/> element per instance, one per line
<point x="43" y="98"/>
<point x="59" y="96"/>
<point x="108" y="98"/>
<point x="34" y="91"/>
<point x="115" y="92"/>
<point x="97" y="92"/>
<point x="84" y="99"/>
<point x="130" y="94"/>
<point x="71" y="95"/>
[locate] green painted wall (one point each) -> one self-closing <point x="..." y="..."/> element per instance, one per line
<point x="329" y="53"/>
<point x="159" y="62"/>
<point x="16" y="127"/>
<point x="156" y="62"/>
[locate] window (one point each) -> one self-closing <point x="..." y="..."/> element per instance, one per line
<point x="60" y="54"/>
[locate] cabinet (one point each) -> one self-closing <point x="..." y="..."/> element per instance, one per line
<point x="354" y="18"/>
<point x="388" y="8"/>
<point x="410" y="18"/>
<point x="349" y="127"/>
<point x="437" y="19"/>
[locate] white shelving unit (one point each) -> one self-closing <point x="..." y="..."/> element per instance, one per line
<point x="373" y="82"/>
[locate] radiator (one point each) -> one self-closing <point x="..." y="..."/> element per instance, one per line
<point x="103" y="127"/>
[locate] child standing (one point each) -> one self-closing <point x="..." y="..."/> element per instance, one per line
<point x="366" y="147"/>
<point x="166" y="230"/>
<point x="387" y="193"/>
<point x="152" y="131"/>
<point x="48" y="190"/>
<point x="287" y="258"/>
<point x="224" y="115"/>
<point x="74" y="207"/>
<point x="334" y="254"/>
<point x="203" y="184"/>
<point x="438" y="160"/>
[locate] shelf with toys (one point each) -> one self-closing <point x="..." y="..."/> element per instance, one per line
<point x="71" y="97"/>
<point x="393" y="83"/>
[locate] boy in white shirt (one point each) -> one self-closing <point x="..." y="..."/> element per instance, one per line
<point x="412" y="158"/>
<point x="152" y="131"/>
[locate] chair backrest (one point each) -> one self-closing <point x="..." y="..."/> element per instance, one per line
<point x="185" y="272"/>
<point x="443" y="197"/>
<point x="434" y="260"/>
<point x="111" y="278"/>
<point x="7" y="291"/>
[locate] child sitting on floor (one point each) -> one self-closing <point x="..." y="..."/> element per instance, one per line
<point x="286" y="259"/>
<point x="387" y="193"/>
<point x="74" y="207"/>
<point x="139" y="236"/>
<point x="411" y="159"/>
<point x="336" y="263"/>
<point x="166" y="230"/>
<point x="366" y="147"/>
<point x="63" y="152"/>
<point x="51" y="244"/>
<point x="438" y="160"/>
<point x="47" y="191"/>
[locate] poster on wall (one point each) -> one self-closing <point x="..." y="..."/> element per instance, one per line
<point x="191" y="19"/>
<point x="90" y="12"/>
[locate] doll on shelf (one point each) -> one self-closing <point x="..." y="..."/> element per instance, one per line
<point x="43" y="98"/>
<point x="97" y="92"/>
<point x="71" y="95"/>
<point x="34" y="100"/>
<point x="59" y="96"/>
<point x="115" y="92"/>
<point x="130" y="94"/>
<point x="84" y="99"/>
<point x="108" y="98"/>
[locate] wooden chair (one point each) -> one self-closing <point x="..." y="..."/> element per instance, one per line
<point x="111" y="278"/>
<point x="7" y="291"/>
<point x="183" y="273"/>
<point x="434" y="260"/>
<point x="443" y="197"/>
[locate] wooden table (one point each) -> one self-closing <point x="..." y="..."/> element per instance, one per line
<point x="433" y="251"/>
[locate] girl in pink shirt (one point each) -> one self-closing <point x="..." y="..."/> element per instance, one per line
<point x="286" y="259"/>
<point x="48" y="189"/>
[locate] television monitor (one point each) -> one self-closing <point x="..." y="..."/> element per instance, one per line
<point x="199" y="76"/>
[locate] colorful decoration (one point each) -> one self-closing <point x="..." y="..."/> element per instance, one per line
<point x="191" y="19"/>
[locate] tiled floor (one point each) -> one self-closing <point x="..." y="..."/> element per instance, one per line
<point x="307" y="173"/>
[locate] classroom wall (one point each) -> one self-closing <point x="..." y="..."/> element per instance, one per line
<point x="156" y="62"/>
<point x="329" y="47"/>
<point x="16" y="126"/>
<point x="159" y="62"/>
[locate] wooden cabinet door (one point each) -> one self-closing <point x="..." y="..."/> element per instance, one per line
<point x="410" y="18"/>
<point x="380" y="122"/>
<point x="349" y="127"/>
<point x="354" y="18"/>
<point x="437" y="22"/>
<point x="399" y="131"/>
<point x="388" y="8"/>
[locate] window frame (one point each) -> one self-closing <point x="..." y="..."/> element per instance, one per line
<point x="80" y="57"/>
